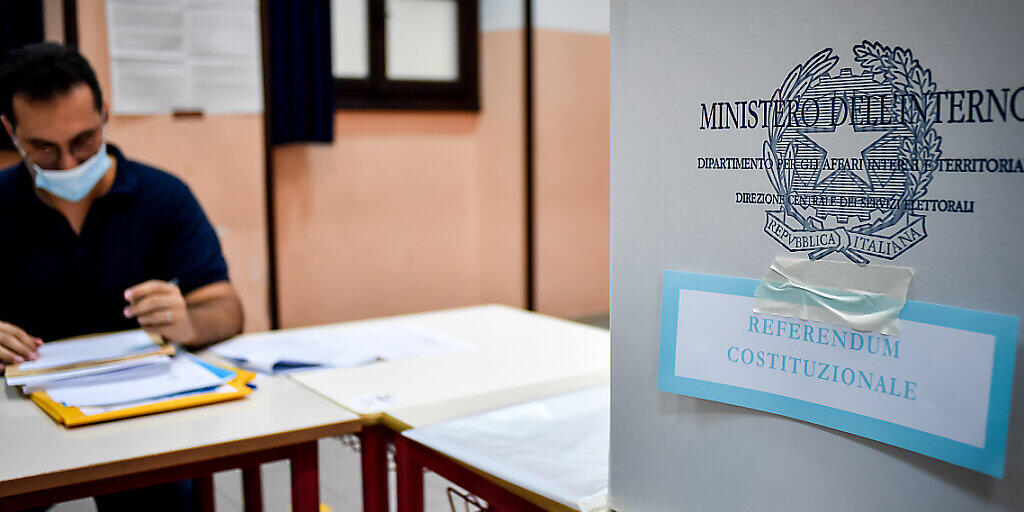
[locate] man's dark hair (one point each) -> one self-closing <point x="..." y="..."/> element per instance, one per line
<point x="43" y="71"/>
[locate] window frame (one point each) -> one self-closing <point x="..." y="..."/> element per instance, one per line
<point x="376" y="91"/>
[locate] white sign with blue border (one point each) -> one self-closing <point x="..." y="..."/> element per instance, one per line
<point x="942" y="387"/>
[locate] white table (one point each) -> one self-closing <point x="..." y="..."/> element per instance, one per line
<point x="518" y="357"/>
<point x="44" y="462"/>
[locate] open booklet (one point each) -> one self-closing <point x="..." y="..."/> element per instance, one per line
<point x="335" y="346"/>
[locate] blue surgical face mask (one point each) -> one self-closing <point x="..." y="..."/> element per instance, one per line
<point x="75" y="183"/>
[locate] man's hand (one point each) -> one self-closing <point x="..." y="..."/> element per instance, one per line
<point x="160" y="308"/>
<point x="16" y="346"/>
<point x="206" y="315"/>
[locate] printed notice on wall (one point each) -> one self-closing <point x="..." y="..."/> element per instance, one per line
<point x="185" y="55"/>
<point x="941" y="387"/>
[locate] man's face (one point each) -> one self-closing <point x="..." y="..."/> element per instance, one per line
<point x="60" y="133"/>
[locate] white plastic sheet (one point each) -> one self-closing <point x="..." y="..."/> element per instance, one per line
<point x="556" y="447"/>
<point x="867" y="298"/>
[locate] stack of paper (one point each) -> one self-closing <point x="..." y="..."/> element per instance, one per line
<point x="335" y="346"/>
<point x="113" y="376"/>
<point x="185" y="373"/>
<point x="90" y="356"/>
<point x="118" y="370"/>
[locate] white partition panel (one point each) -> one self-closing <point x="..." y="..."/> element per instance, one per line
<point x="689" y="193"/>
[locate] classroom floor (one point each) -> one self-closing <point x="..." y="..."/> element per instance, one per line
<point x="340" y="485"/>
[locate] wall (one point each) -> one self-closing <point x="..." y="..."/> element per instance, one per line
<point x="674" y="453"/>
<point x="571" y="170"/>
<point x="408" y="211"/>
<point x="220" y="157"/>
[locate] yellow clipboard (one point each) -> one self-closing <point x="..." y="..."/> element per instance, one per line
<point x="74" y="417"/>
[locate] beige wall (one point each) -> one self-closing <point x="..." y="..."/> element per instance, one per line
<point x="571" y="172"/>
<point x="220" y="157"/>
<point x="502" y="170"/>
<point x="407" y="211"/>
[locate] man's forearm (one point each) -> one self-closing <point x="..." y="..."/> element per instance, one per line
<point x="215" y="319"/>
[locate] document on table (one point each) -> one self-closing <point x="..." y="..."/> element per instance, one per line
<point x="186" y="373"/>
<point x="405" y="341"/>
<point x="282" y="352"/>
<point x="335" y="346"/>
<point x="93" y="348"/>
<point x="101" y="409"/>
<point x="79" y="375"/>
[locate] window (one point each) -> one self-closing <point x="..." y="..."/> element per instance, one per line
<point x="405" y="54"/>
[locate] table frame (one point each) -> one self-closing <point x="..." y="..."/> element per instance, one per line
<point x="413" y="458"/>
<point x="373" y="452"/>
<point x="304" y="480"/>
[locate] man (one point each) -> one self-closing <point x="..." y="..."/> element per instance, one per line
<point x="93" y="242"/>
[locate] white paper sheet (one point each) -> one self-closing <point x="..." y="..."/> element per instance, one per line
<point x="335" y="346"/>
<point x="78" y="374"/>
<point x="556" y="447"/>
<point x="901" y="380"/>
<point x="93" y="348"/>
<point x="185" y="374"/>
<point x="150" y="367"/>
<point x="94" y="410"/>
<point x="184" y="55"/>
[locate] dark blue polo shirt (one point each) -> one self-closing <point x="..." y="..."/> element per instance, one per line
<point x="56" y="284"/>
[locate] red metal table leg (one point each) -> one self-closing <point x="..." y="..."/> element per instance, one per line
<point x="305" y="478"/>
<point x="374" y="452"/>
<point x="252" y="488"/>
<point x="410" y="477"/>
<point x="413" y="458"/>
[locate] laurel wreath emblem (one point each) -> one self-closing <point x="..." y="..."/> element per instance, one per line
<point x="781" y="174"/>
<point x="918" y="154"/>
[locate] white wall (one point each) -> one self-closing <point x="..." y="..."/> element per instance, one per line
<point x="582" y="16"/>
<point x="579" y="16"/>
<point x="501" y="15"/>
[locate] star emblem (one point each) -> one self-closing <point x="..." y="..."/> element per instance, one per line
<point x="847" y="144"/>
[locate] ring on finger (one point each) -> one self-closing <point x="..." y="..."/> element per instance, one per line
<point x="170" y="317"/>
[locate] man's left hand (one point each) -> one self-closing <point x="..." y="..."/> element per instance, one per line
<point x="160" y="308"/>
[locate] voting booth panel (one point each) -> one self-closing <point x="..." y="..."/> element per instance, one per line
<point x="870" y="133"/>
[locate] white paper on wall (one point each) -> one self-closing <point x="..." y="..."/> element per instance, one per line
<point x="185" y="55"/>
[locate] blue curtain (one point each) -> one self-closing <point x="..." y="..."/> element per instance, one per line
<point x="301" y="84"/>
<point x="21" y="23"/>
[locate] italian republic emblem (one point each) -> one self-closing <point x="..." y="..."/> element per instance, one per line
<point x="849" y="154"/>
